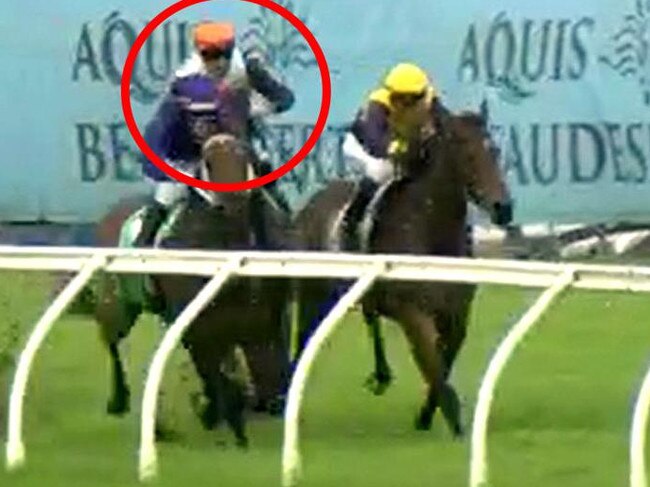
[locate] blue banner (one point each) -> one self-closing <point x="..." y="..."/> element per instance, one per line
<point x="567" y="83"/>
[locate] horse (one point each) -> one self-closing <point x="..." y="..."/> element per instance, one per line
<point x="422" y="213"/>
<point x="218" y="221"/>
<point x="248" y="311"/>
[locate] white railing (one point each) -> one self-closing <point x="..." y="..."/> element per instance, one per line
<point x="638" y="473"/>
<point x="366" y="270"/>
<point x="478" y="459"/>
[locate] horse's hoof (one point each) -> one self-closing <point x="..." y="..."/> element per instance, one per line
<point x="118" y="406"/>
<point x="273" y="407"/>
<point x="260" y="406"/>
<point x="458" y="432"/>
<point x="208" y="414"/>
<point x="242" y="443"/>
<point x="276" y="406"/>
<point x="164" y="434"/>
<point x="423" y="421"/>
<point x="209" y="419"/>
<point x="378" y="385"/>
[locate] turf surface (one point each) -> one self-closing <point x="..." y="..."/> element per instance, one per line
<point x="561" y="415"/>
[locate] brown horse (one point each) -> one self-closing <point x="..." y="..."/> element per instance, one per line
<point x="424" y="213"/>
<point x="248" y="312"/>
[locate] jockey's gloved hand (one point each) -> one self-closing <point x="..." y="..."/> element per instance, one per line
<point x="502" y="214"/>
<point x="264" y="168"/>
<point x="253" y="55"/>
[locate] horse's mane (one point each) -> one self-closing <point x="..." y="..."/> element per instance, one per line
<point x="447" y="140"/>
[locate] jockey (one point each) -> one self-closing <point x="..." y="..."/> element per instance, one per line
<point x="407" y="104"/>
<point x="202" y="100"/>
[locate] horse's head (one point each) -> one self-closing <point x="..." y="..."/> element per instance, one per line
<point x="226" y="159"/>
<point x="480" y="167"/>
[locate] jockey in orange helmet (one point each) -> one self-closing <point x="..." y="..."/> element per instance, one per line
<point x="405" y="104"/>
<point x="205" y="98"/>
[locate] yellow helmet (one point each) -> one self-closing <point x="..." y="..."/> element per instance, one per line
<point x="407" y="79"/>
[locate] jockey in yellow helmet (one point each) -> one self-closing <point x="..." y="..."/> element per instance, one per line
<point x="405" y="105"/>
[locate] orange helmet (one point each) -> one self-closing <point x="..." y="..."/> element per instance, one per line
<point x="214" y="36"/>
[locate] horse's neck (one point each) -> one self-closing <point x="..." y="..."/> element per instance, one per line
<point x="229" y="173"/>
<point x="429" y="214"/>
<point x="226" y="227"/>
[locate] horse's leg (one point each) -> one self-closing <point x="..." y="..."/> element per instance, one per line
<point x="223" y="388"/>
<point x="115" y="320"/>
<point x="283" y="357"/>
<point x="452" y="326"/>
<point x="428" y="350"/>
<point x="457" y="329"/>
<point x="178" y="291"/>
<point x="316" y="299"/>
<point x="232" y="387"/>
<point x="163" y="431"/>
<point x="454" y="336"/>
<point x="310" y="296"/>
<point x="280" y="346"/>
<point x="210" y="413"/>
<point x="118" y="403"/>
<point x="268" y="366"/>
<point x="380" y="379"/>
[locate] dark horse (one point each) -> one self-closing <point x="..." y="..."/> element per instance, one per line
<point x="423" y="213"/>
<point x="248" y="312"/>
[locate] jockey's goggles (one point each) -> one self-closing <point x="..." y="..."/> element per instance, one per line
<point x="216" y="53"/>
<point x="406" y="100"/>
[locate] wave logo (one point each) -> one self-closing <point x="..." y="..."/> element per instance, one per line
<point x="102" y="47"/>
<point x="281" y="45"/>
<point x="630" y="49"/>
<point x="101" y="50"/>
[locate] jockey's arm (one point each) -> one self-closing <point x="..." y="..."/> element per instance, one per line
<point x="371" y="128"/>
<point x="158" y="133"/>
<point x="278" y="97"/>
<point x="368" y="140"/>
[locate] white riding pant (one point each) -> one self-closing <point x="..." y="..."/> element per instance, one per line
<point x="167" y="193"/>
<point x="379" y="170"/>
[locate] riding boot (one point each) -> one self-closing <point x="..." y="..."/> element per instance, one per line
<point x="363" y="196"/>
<point x="154" y="215"/>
